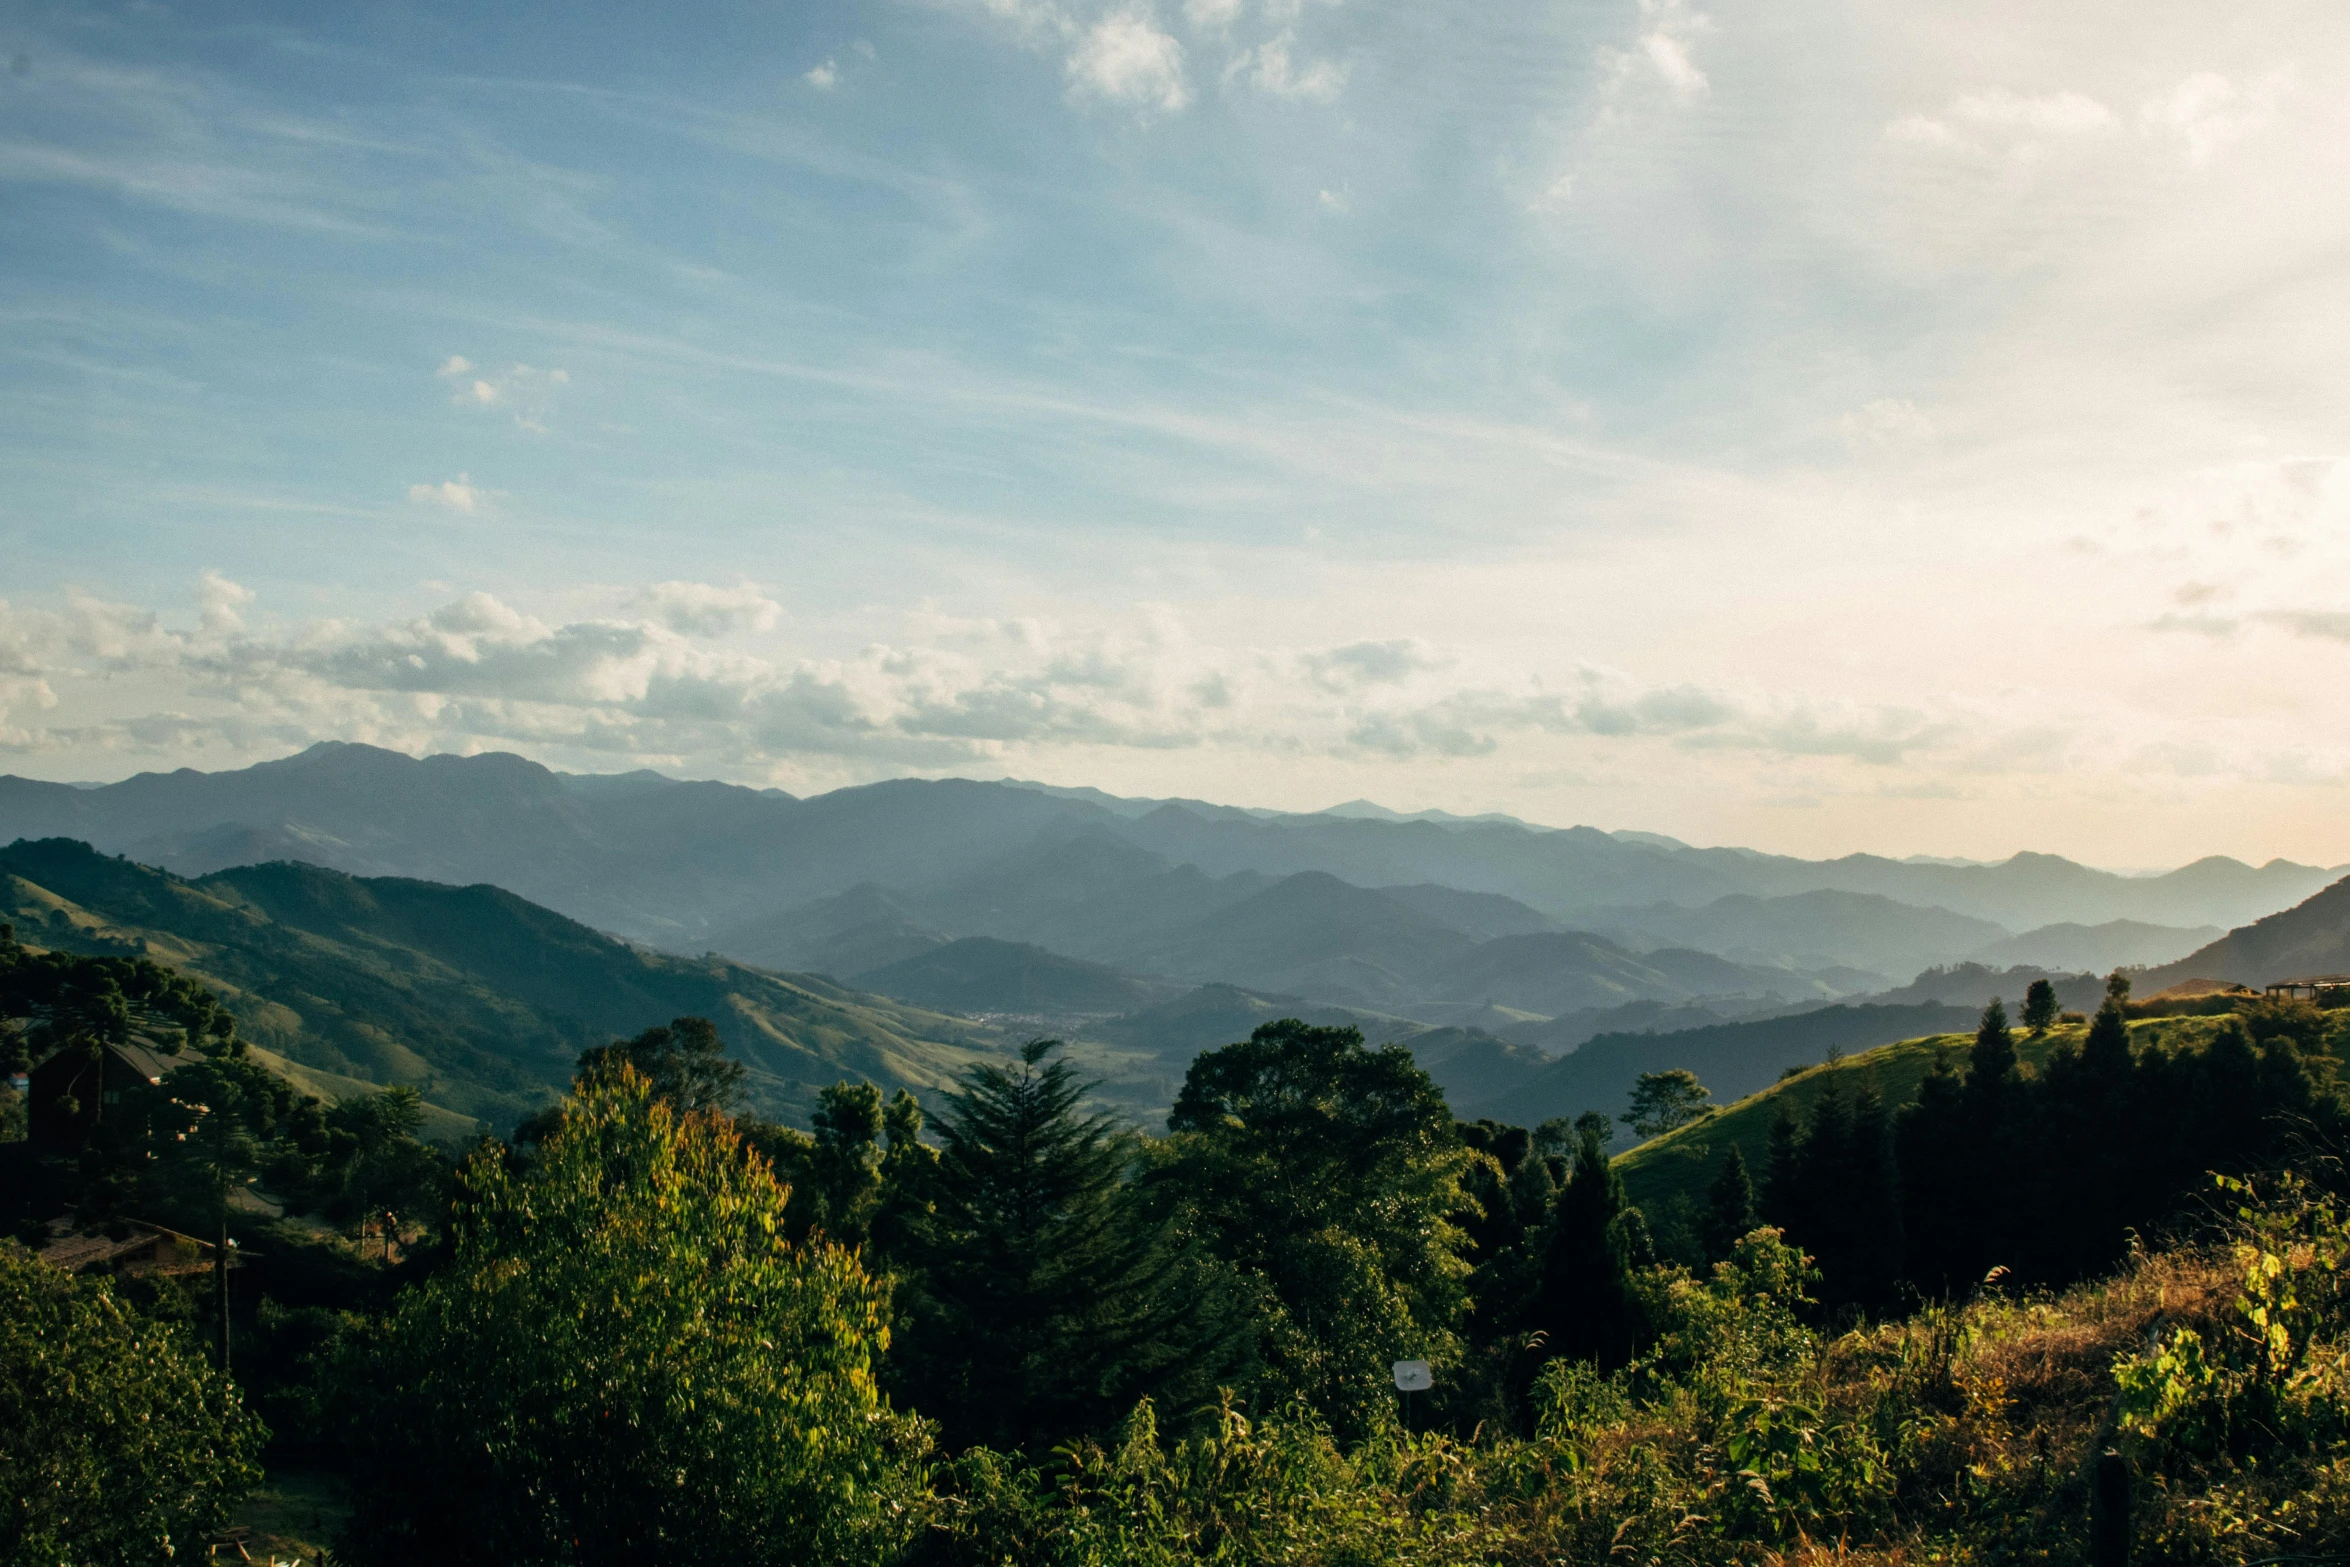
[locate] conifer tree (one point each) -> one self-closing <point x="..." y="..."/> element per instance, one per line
<point x="1729" y="1214"/>
<point x="1586" y="1305"/>
<point x="1044" y="1300"/>
<point x="1782" y="1169"/>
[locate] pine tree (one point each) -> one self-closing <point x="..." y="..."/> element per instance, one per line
<point x="1936" y="1158"/>
<point x="1782" y="1169"/>
<point x="1586" y="1303"/>
<point x="1044" y="1301"/>
<point x="1729" y="1215"/>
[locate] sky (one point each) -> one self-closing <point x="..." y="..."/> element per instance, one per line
<point x="1822" y="427"/>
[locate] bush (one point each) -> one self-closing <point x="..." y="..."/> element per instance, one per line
<point x="624" y="1359"/>
<point x="117" y="1443"/>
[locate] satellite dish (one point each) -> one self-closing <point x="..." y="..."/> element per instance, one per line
<point x="1413" y="1376"/>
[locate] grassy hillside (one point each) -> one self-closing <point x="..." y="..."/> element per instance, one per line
<point x="478" y="998"/>
<point x="1667" y="1171"/>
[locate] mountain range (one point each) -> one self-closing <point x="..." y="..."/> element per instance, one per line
<point x="674" y="863"/>
<point x="468" y="924"/>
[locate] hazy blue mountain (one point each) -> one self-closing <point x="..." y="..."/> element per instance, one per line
<point x="1087" y="893"/>
<point x="1732" y="1059"/>
<point x="847" y="933"/>
<point x="675" y="863"/>
<point x="1312" y="934"/>
<point x="1483" y="915"/>
<point x="1812" y="930"/>
<point x="1216" y="1015"/>
<point x="980" y="974"/>
<point x="2098" y="948"/>
<point x="474" y="995"/>
<point x="2310" y="939"/>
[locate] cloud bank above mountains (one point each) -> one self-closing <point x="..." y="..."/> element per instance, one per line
<point x="1820" y="426"/>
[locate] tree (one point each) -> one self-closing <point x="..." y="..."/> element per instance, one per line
<point x="1328" y="1175"/>
<point x="1044" y="1299"/>
<point x="1729" y="1207"/>
<point x="2117" y="987"/>
<point x="121" y="1444"/>
<point x="685" y="1063"/>
<point x="623" y="1360"/>
<point x="2039" y="1006"/>
<point x="1586" y="1300"/>
<point x="1662" y="1101"/>
<point x="1591" y="1123"/>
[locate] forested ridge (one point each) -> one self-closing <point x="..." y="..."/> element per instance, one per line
<point x="1893" y="1307"/>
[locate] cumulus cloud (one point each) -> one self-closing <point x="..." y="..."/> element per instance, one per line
<point x="459" y="495"/>
<point x="697" y="609"/>
<point x="823" y="77"/>
<point x="1125" y="58"/>
<point x="217" y="600"/>
<point x="2001" y="125"/>
<point x="648" y="683"/>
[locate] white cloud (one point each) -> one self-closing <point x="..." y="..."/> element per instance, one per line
<point x="2208" y="113"/>
<point x="524" y="391"/>
<point x="697" y="609"/>
<point x="823" y="77"/>
<point x="1663" y="53"/>
<point x="1269" y="69"/>
<point x="1125" y="58"/>
<point x="459" y="494"/>
<point x="217" y="599"/>
<point x="1211" y="16"/>
<point x="1670" y="56"/>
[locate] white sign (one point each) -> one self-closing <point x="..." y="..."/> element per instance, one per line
<point x="1412" y="1376"/>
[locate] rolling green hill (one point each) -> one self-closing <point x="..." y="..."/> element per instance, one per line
<point x="1667" y="1172"/>
<point x="480" y="999"/>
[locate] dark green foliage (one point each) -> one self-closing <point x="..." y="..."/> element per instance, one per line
<point x="2040" y="1007"/>
<point x="1585" y="1304"/>
<point x="117" y="1443"/>
<point x="1328" y="1177"/>
<point x="1042" y="1298"/>
<point x="1729" y="1213"/>
<point x="1834" y="1191"/>
<point x="685" y="1063"/>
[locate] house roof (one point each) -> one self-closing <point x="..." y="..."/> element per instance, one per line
<point x="147" y="1057"/>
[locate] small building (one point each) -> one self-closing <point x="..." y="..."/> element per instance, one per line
<point x="73" y="1090"/>
<point x="2325" y="990"/>
<point x="128" y="1247"/>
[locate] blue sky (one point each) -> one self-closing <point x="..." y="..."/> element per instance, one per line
<point x="1820" y="426"/>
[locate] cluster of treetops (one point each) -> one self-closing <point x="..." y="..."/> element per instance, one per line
<point x="1312" y="1214"/>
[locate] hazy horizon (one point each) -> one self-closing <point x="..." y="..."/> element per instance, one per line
<point x="1904" y="429"/>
